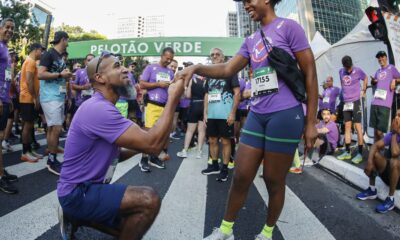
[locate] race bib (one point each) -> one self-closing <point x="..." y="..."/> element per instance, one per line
<point x="325" y="100"/>
<point x="163" y="77"/>
<point x="214" y="97"/>
<point x="348" y="106"/>
<point x="8" y="75"/>
<point x="87" y="92"/>
<point x="380" y="94"/>
<point x="265" y="82"/>
<point x="110" y="171"/>
<point x="62" y="89"/>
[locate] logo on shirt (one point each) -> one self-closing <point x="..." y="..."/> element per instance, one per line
<point x="280" y="24"/>
<point x="259" y="52"/>
<point x="347" y="80"/>
<point x="382" y="75"/>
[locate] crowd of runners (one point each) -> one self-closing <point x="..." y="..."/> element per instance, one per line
<point x="242" y="104"/>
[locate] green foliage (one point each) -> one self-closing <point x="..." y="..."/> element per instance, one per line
<point x="76" y="33"/>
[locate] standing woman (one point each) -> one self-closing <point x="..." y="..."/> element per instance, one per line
<point x="276" y="121"/>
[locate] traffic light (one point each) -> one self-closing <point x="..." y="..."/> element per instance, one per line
<point x="377" y="26"/>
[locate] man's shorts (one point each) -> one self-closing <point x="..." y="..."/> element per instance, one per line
<point x="379" y="118"/>
<point x="98" y="203"/>
<point x="28" y="112"/>
<point x="241" y="113"/>
<point x="195" y="112"/>
<point x="152" y="114"/>
<point x="53" y="112"/>
<point x="219" y="128"/>
<point x="122" y="107"/>
<point x="355" y="115"/>
<point x="278" y="132"/>
<point x="15" y="102"/>
<point x="385" y="175"/>
<point x="4" y="116"/>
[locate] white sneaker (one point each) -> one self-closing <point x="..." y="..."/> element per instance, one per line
<point x="218" y="235"/>
<point x="6" y="146"/>
<point x="261" y="237"/>
<point x="198" y="156"/>
<point x="182" y="154"/>
<point x="308" y="162"/>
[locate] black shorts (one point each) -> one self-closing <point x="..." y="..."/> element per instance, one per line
<point x="133" y="106"/>
<point x="71" y="109"/>
<point x="28" y="112"/>
<point x="183" y="114"/>
<point x="355" y="114"/>
<point x="379" y="118"/>
<point x="241" y="113"/>
<point x="4" y="116"/>
<point x="219" y="128"/>
<point x="195" y="113"/>
<point x="385" y="175"/>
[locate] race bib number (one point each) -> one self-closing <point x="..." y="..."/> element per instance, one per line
<point x="214" y="97"/>
<point x="87" y="92"/>
<point x="265" y="82"/>
<point x="163" y="77"/>
<point x="380" y="94"/>
<point x="348" y="107"/>
<point x="110" y="171"/>
<point x="325" y="100"/>
<point x="8" y="75"/>
<point x="62" y="89"/>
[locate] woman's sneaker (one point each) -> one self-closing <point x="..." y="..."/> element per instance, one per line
<point x="199" y="154"/>
<point x="29" y="157"/>
<point x="386" y="206"/>
<point x="7" y="187"/>
<point x="262" y="237"/>
<point x="367" y="194"/>
<point x="218" y="235"/>
<point x="182" y="154"/>
<point x="344" y="156"/>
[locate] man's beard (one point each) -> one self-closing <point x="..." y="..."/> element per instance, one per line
<point x="127" y="91"/>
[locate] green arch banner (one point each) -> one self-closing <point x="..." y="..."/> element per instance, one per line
<point x="183" y="46"/>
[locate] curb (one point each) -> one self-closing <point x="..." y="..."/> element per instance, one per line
<point x="356" y="176"/>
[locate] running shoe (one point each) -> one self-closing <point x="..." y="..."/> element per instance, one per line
<point x="295" y="170"/>
<point x="223" y="175"/>
<point x="231" y="165"/>
<point x="367" y="194"/>
<point x="156" y="162"/>
<point x="386" y="206"/>
<point x="344" y="156"/>
<point x="218" y="235"/>
<point x="37" y="155"/>
<point x="357" y="159"/>
<point x="10" y="177"/>
<point x="199" y="154"/>
<point x="174" y="136"/>
<point x="211" y="169"/>
<point x="7" y="187"/>
<point x="54" y="167"/>
<point x="182" y="154"/>
<point x="29" y="157"/>
<point x="144" y="165"/>
<point x="262" y="237"/>
<point x="7" y="146"/>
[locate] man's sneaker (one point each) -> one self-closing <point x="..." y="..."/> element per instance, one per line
<point x="295" y="170"/>
<point x="174" y="136"/>
<point x="35" y="145"/>
<point x="63" y="223"/>
<point x="6" y="146"/>
<point x="182" y="154"/>
<point x="357" y="159"/>
<point x="37" y="155"/>
<point x="211" y="169"/>
<point x="144" y="165"/>
<point x="7" y="187"/>
<point x="223" y="176"/>
<point x="199" y="154"/>
<point x="54" y="167"/>
<point x="344" y="156"/>
<point x="386" y="206"/>
<point x="231" y="165"/>
<point x="156" y="162"/>
<point x="10" y="177"/>
<point x="308" y="162"/>
<point x="218" y="235"/>
<point x="367" y="194"/>
<point x="262" y="237"/>
<point x="28" y="157"/>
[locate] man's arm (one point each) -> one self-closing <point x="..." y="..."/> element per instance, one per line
<point x="365" y="84"/>
<point x="395" y="146"/>
<point x="125" y="154"/>
<point x="188" y="90"/>
<point x="205" y="110"/>
<point x="376" y="147"/>
<point x="236" y="101"/>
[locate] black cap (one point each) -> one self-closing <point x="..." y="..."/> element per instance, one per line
<point x="58" y="36"/>
<point x="35" y="46"/>
<point x="187" y="64"/>
<point x="381" y="54"/>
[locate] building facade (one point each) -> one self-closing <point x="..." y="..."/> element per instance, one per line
<point x="232" y="25"/>
<point x="140" y="26"/>
<point x="245" y="25"/>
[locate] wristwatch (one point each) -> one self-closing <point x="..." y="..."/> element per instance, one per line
<point x="59" y="75"/>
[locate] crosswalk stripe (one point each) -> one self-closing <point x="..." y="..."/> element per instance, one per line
<point x="296" y="220"/>
<point x="185" y="200"/>
<point x="35" y="218"/>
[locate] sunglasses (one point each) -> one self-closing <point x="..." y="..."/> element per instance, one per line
<point x="103" y="55"/>
<point x="215" y="54"/>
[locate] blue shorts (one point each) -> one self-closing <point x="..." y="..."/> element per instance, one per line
<point x="97" y="203"/>
<point x="278" y="132"/>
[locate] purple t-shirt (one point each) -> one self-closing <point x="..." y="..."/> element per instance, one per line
<point x="383" y="94"/>
<point x="242" y="85"/>
<point x="332" y="135"/>
<point x="184" y="102"/>
<point x="156" y="73"/>
<point x="328" y="100"/>
<point x="81" y="79"/>
<point x="5" y="73"/>
<point x="287" y="35"/>
<point x="133" y="82"/>
<point x="351" y="83"/>
<point x="387" y="140"/>
<point x="90" y="147"/>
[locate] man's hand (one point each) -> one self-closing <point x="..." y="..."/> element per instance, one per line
<point x="310" y="135"/>
<point x="175" y="90"/>
<point x="66" y="73"/>
<point x="231" y="119"/>
<point x="186" y="74"/>
<point x="163" y="84"/>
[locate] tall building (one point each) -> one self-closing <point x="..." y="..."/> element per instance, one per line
<point x="246" y="26"/>
<point x="140" y="26"/>
<point x="332" y="18"/>
<point x="39" y="11"/>
<point x="232" y="25"/>
<point x="364" y="4"/>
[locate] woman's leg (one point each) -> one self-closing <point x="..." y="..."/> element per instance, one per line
<point x="201" y="129"/>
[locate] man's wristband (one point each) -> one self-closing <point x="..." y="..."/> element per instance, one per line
<point x="59" y="75"/>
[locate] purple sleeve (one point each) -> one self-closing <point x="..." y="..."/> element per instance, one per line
<point x="387" y="139"/>
<point x="395" y="73"/>
<point x="244" y="51"/>
<point x="296" y="37"/>
<point x="331" y="127"/>
<point x="146" y="74"/>
<point x="362" y="74"/>
<point x="108" y="124"/>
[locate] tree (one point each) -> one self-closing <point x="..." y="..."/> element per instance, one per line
<point x="76" y="33"/>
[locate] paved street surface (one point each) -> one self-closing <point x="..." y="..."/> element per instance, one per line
<point x="318" y="205"/>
